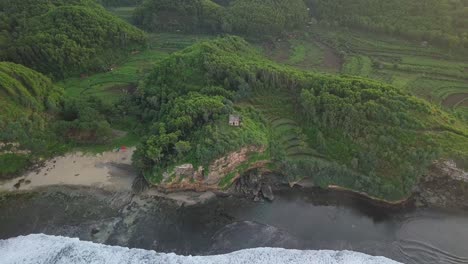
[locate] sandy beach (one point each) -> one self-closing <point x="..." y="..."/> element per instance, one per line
<point x="109" y="170"/>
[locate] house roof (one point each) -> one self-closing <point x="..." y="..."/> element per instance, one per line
<point x="233" y="118"/>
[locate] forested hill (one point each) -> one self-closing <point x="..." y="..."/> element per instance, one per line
<point x="360" y="134"/>
<point x="254" y="18"/>
<point x="26" y="100"/>
<point x="444" y="22"/>
<point x="441" y="22"/>
<point x="63" y="37"/>
<point x="113" y="3"/>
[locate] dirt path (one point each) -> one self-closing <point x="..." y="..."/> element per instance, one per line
<point x="109" y="170"/>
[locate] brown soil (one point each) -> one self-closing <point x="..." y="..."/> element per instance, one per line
<point x="454" y="99"/>
<point x="278" y="51"/>
<point x="331" y="60"/>
<point x="281" y="51"/>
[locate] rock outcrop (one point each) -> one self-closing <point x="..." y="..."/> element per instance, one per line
<point x="445" y="186"/>
<point x="225" y="165"/>
<point x="185" y="178"/>
<point x="256" y="184"/>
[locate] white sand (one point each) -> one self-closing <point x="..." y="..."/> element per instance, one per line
<point x="109" y="170"/>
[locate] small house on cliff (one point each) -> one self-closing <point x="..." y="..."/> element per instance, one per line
<point x="235" y="120"/>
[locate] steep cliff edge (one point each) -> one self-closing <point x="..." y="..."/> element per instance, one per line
<point x="445" y="186"/>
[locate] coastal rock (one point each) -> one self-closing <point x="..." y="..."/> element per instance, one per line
<point x="185" y="178"/>
<point x="199" y="174"/>
<point x="184" y="171"/>
<point x="445" y="185"/>
<point x="449" y="168"/>
<point x="267" y="192"/>
<point x="223" y="166"/>
<point x="256" y="185"/>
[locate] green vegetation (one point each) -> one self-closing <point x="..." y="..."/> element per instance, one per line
<point x="189" y="123"/>
<point x="303" y="51"/>
<point x="119" y="3"/>
<point x="351" y="132"/>
<point x="174" y="97"/>
<point x="12" y="163"/>
<point x="428" y="72"/>
<point x="64" y="37"/>
<point x="113" y="85"/>
<point x="178" y="15"/>
<point x="244" y="17"/>
<point x="270" y="17"/>
<point x="27" y="101"/>
<point x="440" y="21"/>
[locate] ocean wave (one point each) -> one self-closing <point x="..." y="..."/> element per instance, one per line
<point x="42" y="249"/>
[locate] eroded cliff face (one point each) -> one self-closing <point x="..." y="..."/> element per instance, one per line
<point x="445" y="186"/>
<point x="186" y="177"/>
<point x="223" y="166"/>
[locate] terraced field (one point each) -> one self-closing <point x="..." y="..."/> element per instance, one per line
<point x="124" y="77"/>
<point x="305" y="53"/>
<point x="114" y="83"/>
<point x="278" y="109"/>
<point x="439" y="76"/>
<point x="124" y="12"/>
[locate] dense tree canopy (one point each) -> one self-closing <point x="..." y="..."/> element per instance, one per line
<point x="27" y="98"/>
<point x="441" y="21"/>
<point x="264" y="17"/>
<point x="185" y="117"/>
<point x="375" y="132"/>
<point x="254" y="18"/>
<point x="63" y="37"/>
<point x="37" y="120"/>
<point x="112" y="3"/>
<point x="178" y="15"/>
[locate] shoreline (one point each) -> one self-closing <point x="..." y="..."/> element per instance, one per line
<point x="108" y="170"/>
<point x="113" y="171"/>
<point x="401" y="202"/>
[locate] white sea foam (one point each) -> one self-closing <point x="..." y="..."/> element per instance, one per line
<point x="39" y="249"/>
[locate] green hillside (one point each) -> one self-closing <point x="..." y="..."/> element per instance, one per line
<point x="178" y="16"/>
<point x="347" y="131"/>
<point x="64" y="37"/>
<point x="245" y="17"/>
<point x="440" y="21"/>
<point x="26" y="99"/>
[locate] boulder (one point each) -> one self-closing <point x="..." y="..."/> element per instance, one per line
<point x="199" y="174"/>
<point x="267" y="192"/>
<point x="184" y="171"/>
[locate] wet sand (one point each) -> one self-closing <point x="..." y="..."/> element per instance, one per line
<point x="109" y="170"/>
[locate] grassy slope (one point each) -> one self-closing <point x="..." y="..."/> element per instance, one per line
<point x="25" y="95"/>
<point x="427" y="72"/>
<point x="110" y="86"/>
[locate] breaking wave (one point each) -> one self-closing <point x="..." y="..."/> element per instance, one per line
<point x="38" y="249"/>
